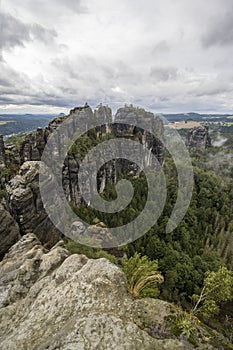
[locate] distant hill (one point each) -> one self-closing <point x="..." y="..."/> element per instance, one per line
<point x="20" y="123"/>
<point x="198" y="117"/>
<point x="16" y="124"/>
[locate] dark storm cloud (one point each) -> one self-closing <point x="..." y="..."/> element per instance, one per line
<point x="4" y="82"/>
<point x="42" y="34"/>
<point x="54" y="101"/>
<point x="11" y="78"/>
<point x="17" y="89"/>
<point x="12" y="85"/>
<point x="54" y="9"/>
<point x="220" y="32"/>
<point x="163" y="74"/>
<point x="9" y="97"/>
<point x="15" y="33"/>
<point x="117" y="52"/>
<point x="74" y="5"/>
<point x="161" y="47"/>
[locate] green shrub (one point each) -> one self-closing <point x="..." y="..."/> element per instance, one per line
<point x="92" y="253"/>
<point x="142" y="275"/>
<point x="183" y="323"/>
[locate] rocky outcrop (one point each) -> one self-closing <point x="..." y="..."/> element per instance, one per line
<point x="99" y="235"/>
<point x="153" y="140"/>
<point x="22" y="191"/>
<point x="2" y="152"/>
<point x="25" y="204"/>
<point x="53" y="300"/>
<point x="32" y="147"/>
<point x="9" y="230"/>
<point x="118" y="128"/>
<point x="199" y="137"/>
<point x="9" y="162"/>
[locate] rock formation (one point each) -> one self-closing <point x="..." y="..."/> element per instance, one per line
<point x="199" y="137"/>
<point x="50" y="299"/>
<point x="54" y="300"/>
<point x="25" y="204"/>
<point x="32" y="147"/>
<point x="9" y="230"/>
<point x="2" y="152"/>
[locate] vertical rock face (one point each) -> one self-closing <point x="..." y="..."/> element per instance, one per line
<point x="199" y="137"/>
<point x="25" y="204"/>
<point x="32" y="147"/>
<point x="9" y="230"/>
<point x="103" y="114"/>
<point x="118" y="128"/>
<point x="22" y="191"/>
<point x="137" y="116"/>
<point x="2" y="152"/>
<point x="2" y="162"/>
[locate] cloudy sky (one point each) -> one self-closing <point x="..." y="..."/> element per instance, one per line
<point x="164" y="55"/>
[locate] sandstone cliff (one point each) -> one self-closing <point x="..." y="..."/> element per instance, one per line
<point x="23" y="205"/>
<point x="199" y="137"/>
<point x="54" y="300"/>
<point x="9" y="230"/>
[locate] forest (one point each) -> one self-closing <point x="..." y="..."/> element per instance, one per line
<point x="202" y="243"/>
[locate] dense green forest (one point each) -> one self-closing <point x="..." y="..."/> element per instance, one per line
<point x="202" y="242"/>
<point x="199" y="250"/>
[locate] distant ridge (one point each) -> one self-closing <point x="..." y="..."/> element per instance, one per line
<point x="21" y="123"/>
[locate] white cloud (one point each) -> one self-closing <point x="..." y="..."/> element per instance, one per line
<point x="167" y="55"/>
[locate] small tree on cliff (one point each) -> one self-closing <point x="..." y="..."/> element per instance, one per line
<point x="217" y="288"/>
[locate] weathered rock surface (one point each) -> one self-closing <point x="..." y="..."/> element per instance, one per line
<point x="28" y="214"/>
<point x="9" y="230"/>
<point x="199" y="137"/>
<point x="55" y="301"/>
<point x="25" y="204"/>
<point x="153" y="138"/>
<point x="100" y="236"/>
<point x="2" y="152"/>
<point x="32" y="147"/>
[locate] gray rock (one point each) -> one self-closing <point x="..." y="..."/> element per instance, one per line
<point x="32" y="147"/>
<point x="100" y="236"/>
<point x="70" y="303"/>
<point x="9" y="230"/>
<point x="18" y="262"/>
<point x="2" y="152"/>
<point x="199" y="137"/>
<point x="26" y="205"/>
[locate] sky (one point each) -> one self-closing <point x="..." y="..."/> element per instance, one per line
<point x="164" y="55"/>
